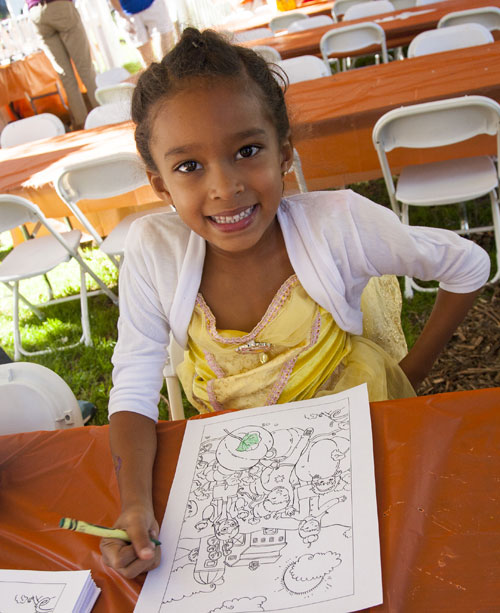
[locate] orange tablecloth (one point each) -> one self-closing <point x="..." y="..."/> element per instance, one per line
<point x="261" y="19"/>
<point x="437" y="466"/>
<point x="398" y="32"/>
<point x="33" y="74"/>
<point x="333" y="118"/>
<point x="30" y="171"/>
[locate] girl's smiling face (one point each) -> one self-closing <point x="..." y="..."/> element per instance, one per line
<point x="220" y="163"/>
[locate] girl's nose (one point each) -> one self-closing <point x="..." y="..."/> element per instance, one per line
<point x="225" y="183"/>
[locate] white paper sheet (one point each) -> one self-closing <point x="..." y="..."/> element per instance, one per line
<point x="32" y="591"/>
<point x="272" y="509"/>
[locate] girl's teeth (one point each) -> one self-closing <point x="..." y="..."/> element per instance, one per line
<point x="233" y="218"/>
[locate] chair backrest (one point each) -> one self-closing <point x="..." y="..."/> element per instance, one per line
<point x="304" y="68"/>
<point x="254" y="34"/>
<point x="308" y="24"/>
<point x="403" y="4"/>
<point x="340" y="7"/>
<point x="487" y="16"/>
<point x="426" y="2"/>
<point x="112" y="76"/>
<point x="30" y="129"/>
<point x="102" y="177"/>
<point x="16" y="211"/>
<point x="270" y="54"/>
<point x="367" y="9"/>
<point x="281" y="22"/>
<point x="120" y="92"/>
<point x="351" y="38"/>
<point x="107" y="114"/>
<point x="33" y="397"/>
<point x="446" y="39"/>
<point x="434" y="124"/>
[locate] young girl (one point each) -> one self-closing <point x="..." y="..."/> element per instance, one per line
<point x="262" y="291"/>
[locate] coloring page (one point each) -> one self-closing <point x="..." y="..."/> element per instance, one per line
<point x="31" y="591"/>
<point x="27" y="596"/>
<point x="272" y="509"/>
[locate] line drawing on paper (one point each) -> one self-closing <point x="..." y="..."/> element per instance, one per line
<point x="30" y="597"/>
<point x="268" y="521"/>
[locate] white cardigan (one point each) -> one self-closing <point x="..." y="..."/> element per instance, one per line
<point x="336" y="241"/>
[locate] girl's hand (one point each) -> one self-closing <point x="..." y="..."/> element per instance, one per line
<point x="139" y="556"/>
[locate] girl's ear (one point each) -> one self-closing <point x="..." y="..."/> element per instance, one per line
<point x="286" y="155"/>
<point x="159" y="187"/>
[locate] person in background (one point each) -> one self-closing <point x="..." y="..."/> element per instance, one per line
<point x="64" y="39"/>
<point x="142" y="19"/>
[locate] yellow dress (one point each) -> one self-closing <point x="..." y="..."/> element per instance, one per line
<point x="296" y="351"/>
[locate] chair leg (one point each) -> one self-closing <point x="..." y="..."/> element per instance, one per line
<point x="408" y="288"/>
<point x="15" y="321"/>
<point x="98" y="280"/>
<point x="84" y="308"/>
<point x="495" y="213"/>
<point x="464" y="220"/>
<point x="299" y="174"/>
<point x="32" y="307"/>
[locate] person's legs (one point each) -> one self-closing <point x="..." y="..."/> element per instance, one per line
<point x="154" y="19"/>
<point x="47" y="24"/>
<point x="76" y="42"/>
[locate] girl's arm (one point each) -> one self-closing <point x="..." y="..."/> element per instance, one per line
<point x="448" y="311"/>
<point x="133" y="445"/>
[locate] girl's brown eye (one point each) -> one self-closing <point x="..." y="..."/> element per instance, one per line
<point x="248" y="151"/>
<point x="188" y="166"/>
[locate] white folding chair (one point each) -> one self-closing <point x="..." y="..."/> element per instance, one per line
<point x="112" y="76"/>
<point x="107" y="114"/>
<point x="33" y="397"/>
<point x="304" y="68"/>
<point x="403" y="4"/>
<point x="352" y="38"/>
<point x="318" y="21"/>
<point x="368" y="9"/>
<point x="281" y="22"/>
<point x="104" y="177"/>
<point x="30" y="129"/>
<point x="38" y="256"/>
<point x="487" y="16"/>
<point x="176" y="356"/>
<point x="120" y="92"/>
<point x="340" y="7"/>
<point x="254" y="34"/>
<point x="436" y="124"/>
<point x="426" y="2"/>
<point x="270" y="54"/>
<point x="447" y="39"/>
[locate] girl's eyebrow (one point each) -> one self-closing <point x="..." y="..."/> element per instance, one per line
<point x="185" y="149"/>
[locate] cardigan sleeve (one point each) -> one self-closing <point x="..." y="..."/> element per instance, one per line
<point x="391" y="247"/>
<point x="143" y="330"/>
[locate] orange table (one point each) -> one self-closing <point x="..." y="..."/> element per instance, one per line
<point x="437" y="467"/>
<point x="260" y="20"/>
<point x="398" y="32"/>
<point x="33" y="74"/>
<point x="333" y="117"/>
<point x="30" y="171"/>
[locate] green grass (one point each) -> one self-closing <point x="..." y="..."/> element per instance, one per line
<point x="87" y="370"/>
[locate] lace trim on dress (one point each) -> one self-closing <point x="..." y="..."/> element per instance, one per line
<point x="272" y="310"/>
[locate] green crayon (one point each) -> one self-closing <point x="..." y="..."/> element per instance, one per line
<point x="86" y="528"/>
